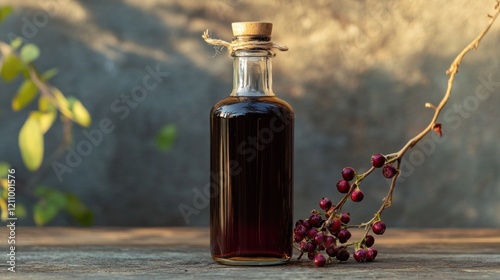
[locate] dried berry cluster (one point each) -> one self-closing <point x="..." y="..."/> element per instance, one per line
<point x="327" y="231"/>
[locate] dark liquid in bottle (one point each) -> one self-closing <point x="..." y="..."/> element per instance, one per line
<point x="251" y="180"/>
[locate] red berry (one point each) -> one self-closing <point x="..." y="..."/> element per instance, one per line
<point x="345" y="217"/>
<point x="343" y="255"/>
<point x="300" y="233"/>
<point x="369" y="240"/>
<point x="299" y="222"/>
<point x="360" y="255"/>
<point x="325" y="204"/>
<point x="319" y="260"/>
<point x="334" y="227"/>
<point x="371" y="253"/>
<point x="319" y="238"/>
<point x="344" y="235"/>
<point x="378" y="160"/>
<point x="343" y="186"/>
<point x="378" y="227"/>
<point x="348" y="173"/>
<point x="357" y="195"/>
<point x="310" y="255"/>
<point x="329" y="240"/>
<point x="389" y="171"/>
<point x="314" y="220"/>
<point x="332" y="251"/>
<point x="309" y="247"/>
<point x="312" y="233"/>
<point x="306" y="224"/>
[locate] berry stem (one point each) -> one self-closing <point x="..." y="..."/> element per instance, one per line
<point x="335" y="223"/>
<point x="451" y="72"/>
<point x="359" y="178"/>
<point x="388" y="199"/>
<point x="339" y="205"/>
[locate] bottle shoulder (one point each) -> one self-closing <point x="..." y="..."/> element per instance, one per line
<point x="233" y="106"/>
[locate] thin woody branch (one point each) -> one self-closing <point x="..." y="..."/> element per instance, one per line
<point x="388" y="161"/>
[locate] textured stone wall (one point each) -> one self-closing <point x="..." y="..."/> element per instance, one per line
<point x="358" y="74"/>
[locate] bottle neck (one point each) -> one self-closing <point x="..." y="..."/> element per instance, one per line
<point x="252" y="74"/>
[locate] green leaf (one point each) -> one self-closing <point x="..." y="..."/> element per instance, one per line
<point x="80" y="113"/>
<point x="47" y="75"/>
<point x="51" y="195"/>
<point x="4" y="169"/>
<point x="46" y="119"/>
<point x="5" y="12"/>
<point x="86" y="219"/>
<point x="44" y="105"/>
<point x="78" y="211"/>
<point x="5" y="185"/>
<point x="44" y="212"/>
<point x="165" y="138"/>
<point x="42" y="191"/>
<point x="11" y="67"/>
<point x="62" y="102"/>
<point x="3" y="210"/>
<point x="16" y="43"/>
<point x="25" y="94"/>
<point x="53" y="201"/>
<point x="29" y="53"/>
<point x="50" y="203"/>
<point x="31" y="143"/>
<point x="21" y="211"/>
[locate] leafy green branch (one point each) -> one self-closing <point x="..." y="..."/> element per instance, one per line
<point x="16" y="60"/>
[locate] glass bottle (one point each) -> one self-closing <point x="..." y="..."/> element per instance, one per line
<point x="251" y="164"/>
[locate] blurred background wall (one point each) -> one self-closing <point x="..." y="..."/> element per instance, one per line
<point x="358" y="74"/>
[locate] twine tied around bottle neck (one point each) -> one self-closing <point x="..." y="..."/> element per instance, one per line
<point x="244" y="45"/>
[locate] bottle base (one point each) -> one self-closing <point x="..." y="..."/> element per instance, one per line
<point x="251" y="261"/>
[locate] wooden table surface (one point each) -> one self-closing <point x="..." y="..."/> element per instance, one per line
<point x="183" y="253"/>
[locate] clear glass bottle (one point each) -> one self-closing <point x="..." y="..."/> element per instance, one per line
<point x="251" y="146"/>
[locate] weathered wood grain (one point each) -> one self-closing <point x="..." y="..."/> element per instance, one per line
<point x="178" y="253"/>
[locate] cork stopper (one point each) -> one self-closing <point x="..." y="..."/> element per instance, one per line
<point x="253" y="28"/>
